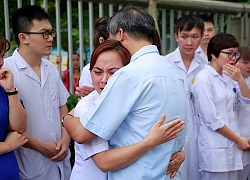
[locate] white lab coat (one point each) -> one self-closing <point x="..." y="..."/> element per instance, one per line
<point x="244" y="122"/>
<point x="214" y="101"/>
<point x="190" y="167"/>
<point x="202" y="55"/>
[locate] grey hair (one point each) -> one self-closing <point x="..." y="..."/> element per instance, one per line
<point x="136" y="22"/>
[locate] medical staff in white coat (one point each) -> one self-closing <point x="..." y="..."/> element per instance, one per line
<point x="243" y="63"/>
<point x="189" y="31"/>
<point x="209" y="32"/>
<point x="216" y="101"/>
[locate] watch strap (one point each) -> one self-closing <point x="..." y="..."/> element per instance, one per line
<point x="11" y="93"/>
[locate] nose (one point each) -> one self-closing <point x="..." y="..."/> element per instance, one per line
<point x="104" y="79"/>
<point x="205" y="33"/>
<point x="189" y="40"/>
<point x="50" y="39"/>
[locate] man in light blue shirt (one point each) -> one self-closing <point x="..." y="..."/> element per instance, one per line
<point x="136" y="96"/>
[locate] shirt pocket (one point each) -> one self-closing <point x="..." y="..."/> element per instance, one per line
<point x="218" y="141"/>
<point x="54" y="96"/>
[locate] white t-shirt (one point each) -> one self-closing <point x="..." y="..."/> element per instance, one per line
<point x="85" y="168"/>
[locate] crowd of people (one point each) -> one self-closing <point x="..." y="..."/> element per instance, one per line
<point x="142" y="115"/>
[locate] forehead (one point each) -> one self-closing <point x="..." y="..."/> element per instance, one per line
<point x="244" y="59"/>
<point x="108" y="58"/>
<point x="232" y="49"/>
<point x="208" y="24"/>
<point x="193" y="31"/>
<point x="76" y="56"/>
<point x="44" y="24"/>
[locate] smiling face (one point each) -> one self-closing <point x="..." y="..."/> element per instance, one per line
<point x="106" y="65"/>
<point x="188" y="41"/>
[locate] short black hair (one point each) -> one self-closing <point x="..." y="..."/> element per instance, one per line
<point x="244" y="54"/>
<point x="219" y="42"/>
<point x="207" y="18"/>
<point x="22" y="19"/>
<point x="188" y="22"/>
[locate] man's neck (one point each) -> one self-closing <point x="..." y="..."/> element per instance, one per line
<point x="204" y="48"/>
<point x="32" y="59"/>
<point x="135" y="46"/>
<point x="187" y="60"/>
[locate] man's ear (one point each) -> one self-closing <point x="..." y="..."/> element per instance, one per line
<point x="202" y="35"/>
<point x="23" y="38"/>
<point x="120" y="35"/>
<point x="176" y="37"/>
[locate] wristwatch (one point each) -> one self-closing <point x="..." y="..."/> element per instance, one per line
<point x="12" y="93"/>
<point x="64" y="117"/>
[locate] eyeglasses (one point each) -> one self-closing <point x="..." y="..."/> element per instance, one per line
<point x="231" y="55"/>
<point x="45" y="34"/>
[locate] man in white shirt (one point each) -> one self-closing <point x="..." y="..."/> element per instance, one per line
<point x="189" y="31"/>
<point x="46" y="155"/>
<point x="209" y="32"/>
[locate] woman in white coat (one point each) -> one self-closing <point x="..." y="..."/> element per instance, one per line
<point x="243" y="63"/>
<point x="216" y="100"/>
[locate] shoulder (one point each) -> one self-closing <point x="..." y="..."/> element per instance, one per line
<point x="9" y="60"/>
<point x="86" y="102"/>
<point x="174" y="56"/>
<point x="169" y="55"/>
<point x="204" y="77"/>
<point x="86" y="67"/>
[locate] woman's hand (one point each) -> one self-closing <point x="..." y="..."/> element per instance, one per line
<point x="161" y="133"/>
<point x="175" y="162"/>
<point x="233" y="72"/>
<point x="6" y="79"/>
<point x="14" y="140"/>
<point x="83" y="91"/>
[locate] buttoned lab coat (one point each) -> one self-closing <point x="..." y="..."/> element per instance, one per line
<point x="214" y="97"/>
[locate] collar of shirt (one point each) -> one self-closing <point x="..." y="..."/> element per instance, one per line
<point x="144" y="50"/>
<point x="21" y="63"/>
<point x="178" y="57"/>
<point x="223" y="78"/>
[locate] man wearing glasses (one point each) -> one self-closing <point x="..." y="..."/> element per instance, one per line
<point x="46" y="155"/>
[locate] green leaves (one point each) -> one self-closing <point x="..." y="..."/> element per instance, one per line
<point x="72" y="101"/>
